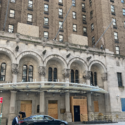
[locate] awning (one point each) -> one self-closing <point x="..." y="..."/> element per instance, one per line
<point x="48" y="86"/>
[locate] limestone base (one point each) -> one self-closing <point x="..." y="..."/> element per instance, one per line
<point x="68" y="117"/>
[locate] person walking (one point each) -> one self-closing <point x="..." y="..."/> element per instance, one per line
<point x="15" y="120"/>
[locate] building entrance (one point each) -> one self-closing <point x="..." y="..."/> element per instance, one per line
<point x="53" y="109"/>
<point x="79" y="108"/>
<point x="77" y="113"/>
<point x="26" y="106"/>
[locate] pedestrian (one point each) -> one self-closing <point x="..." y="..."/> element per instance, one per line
<point x="15" y="120"/>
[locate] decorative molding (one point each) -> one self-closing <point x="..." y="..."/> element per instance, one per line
<point x="104" y="76"/>
<point x="15" y="68"/>
<point x="87" y="75"/>
<point x="42" y="70"/>
<point x="66" y="73"/>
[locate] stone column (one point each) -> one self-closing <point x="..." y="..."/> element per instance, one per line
<point x="66" y="74"/>
<point x="42" y="72"/>
<point x="90" y="112"/>
<point x="67" y="115"/>
<point x="42" y="103"/>
<point x="15" y="70"/>
<point x="12" y="110"/>
<point x="87" y="76"/>
<point x="107" y="97"/>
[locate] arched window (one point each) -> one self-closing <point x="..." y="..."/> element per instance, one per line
<point x="24" y="73"/>
<point x="76" y="76"/>
<point x="72" y="76"/>
<point x="55" y="74"/>
<point x="30" y="74"/>
<point x="3" y="72"/>
<point x="50" y="74"/>
<point x="92" y="78"/>
<point x="95" y="78"/>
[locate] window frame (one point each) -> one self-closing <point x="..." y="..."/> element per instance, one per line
<point x="25" y="72"/>
<point x="75" y="27"/>
<point x="30" y="18"/>
<point x="12" y="1"/>
<point x="12" y="13"/>
<point x="47" y="35"/>
<point x="60" y="38"/>
<point x="30" y="4"/>
<point x="117" y="50"/>
<point x="9" y="28"/>
<point x="73" y="3"/>
<point x="74" y="15"/>
<point x="3" y="76"/>
<point x="46" y="24"/>
<point x="120" y="84"/>
<point x="29" y="73"/>
<point x="45" y="8"/>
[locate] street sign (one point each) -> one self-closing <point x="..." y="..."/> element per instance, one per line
<point x="1" y="99"/>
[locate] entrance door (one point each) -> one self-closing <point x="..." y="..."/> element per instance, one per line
<point x="53" y="109"/>
<point x="26" y="106"/>
<point x="77" y="113"/>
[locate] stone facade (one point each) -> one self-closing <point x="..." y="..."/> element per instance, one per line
<point x="44" y="54"/>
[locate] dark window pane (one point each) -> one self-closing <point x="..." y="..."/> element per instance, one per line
<point x="55" y="74"/>
<point x="50" y="74"/>
<point x="77" y="76"/>
<point x="72" y="76"/>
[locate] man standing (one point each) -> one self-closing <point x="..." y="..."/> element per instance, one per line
<point x="15" y="120"/>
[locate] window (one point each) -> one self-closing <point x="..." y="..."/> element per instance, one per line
<point x="60" y="25"/>
<point x="46" y="8"/>
<point x="84" y="31"/>
<point x="60" y="38"/>
<point x="117" y="50"/>
<point x="10" y="28"/>
<point x="93" y="40"/>
<point x="91" y="14"/>
<point x="123" y="104"/>
<point x="27" y="73"/>
<point x="46" y="35"/>
<point x="60" y="1"/>
<point x="119" y="77"/>
<point x="55" y="74"/>
<point x="92" y="27"/>
<point x="46" y="21"/>
<point x="124" y="23"/>
<point x="30" y="4"/>
<point x="74" y="15"/>
<point x="115" y="35"/>
<point x="3" y="72"/>
<point x="74" y="76"/>
<point x="92" y="79"/>
<point x="13" y="1"/>
<point x="114" y="22"/>
<point x="30" y="74"/>
<point x="74" y="27"/>
<point x="84" y="17"/>
<point x="123" y="12"/>
<point x="112" y="10"/>
<point x="12" y="13"/>
<point x="122" y="1"/>
<point x="90" y="2"/>
<point x="83" y="6"/>
<point x="29" y="17"/>
<point x="51" y="76"/>
<point x="24" y="79"/>
<point x="74" y="3"/>
<point x="60" y="12"/>
<point x="95" y="78"/>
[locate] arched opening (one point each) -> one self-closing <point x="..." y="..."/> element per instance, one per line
<point x="97" y="70"/>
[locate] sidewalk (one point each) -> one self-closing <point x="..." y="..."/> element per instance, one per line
<point x="120" y="123"/>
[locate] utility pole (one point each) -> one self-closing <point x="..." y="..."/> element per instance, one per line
<point x="63" y="21"/>
<point x="6" y="15"/>
<point x="103" y="34"/>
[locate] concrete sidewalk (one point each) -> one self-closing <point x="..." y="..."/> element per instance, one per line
<point x="120" y="123"/>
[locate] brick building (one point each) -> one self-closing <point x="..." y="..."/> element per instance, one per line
<point x="87" y="18"/>
<point x="39" y="75"/>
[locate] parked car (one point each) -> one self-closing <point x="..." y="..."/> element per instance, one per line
<point x="41" y="120"/>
